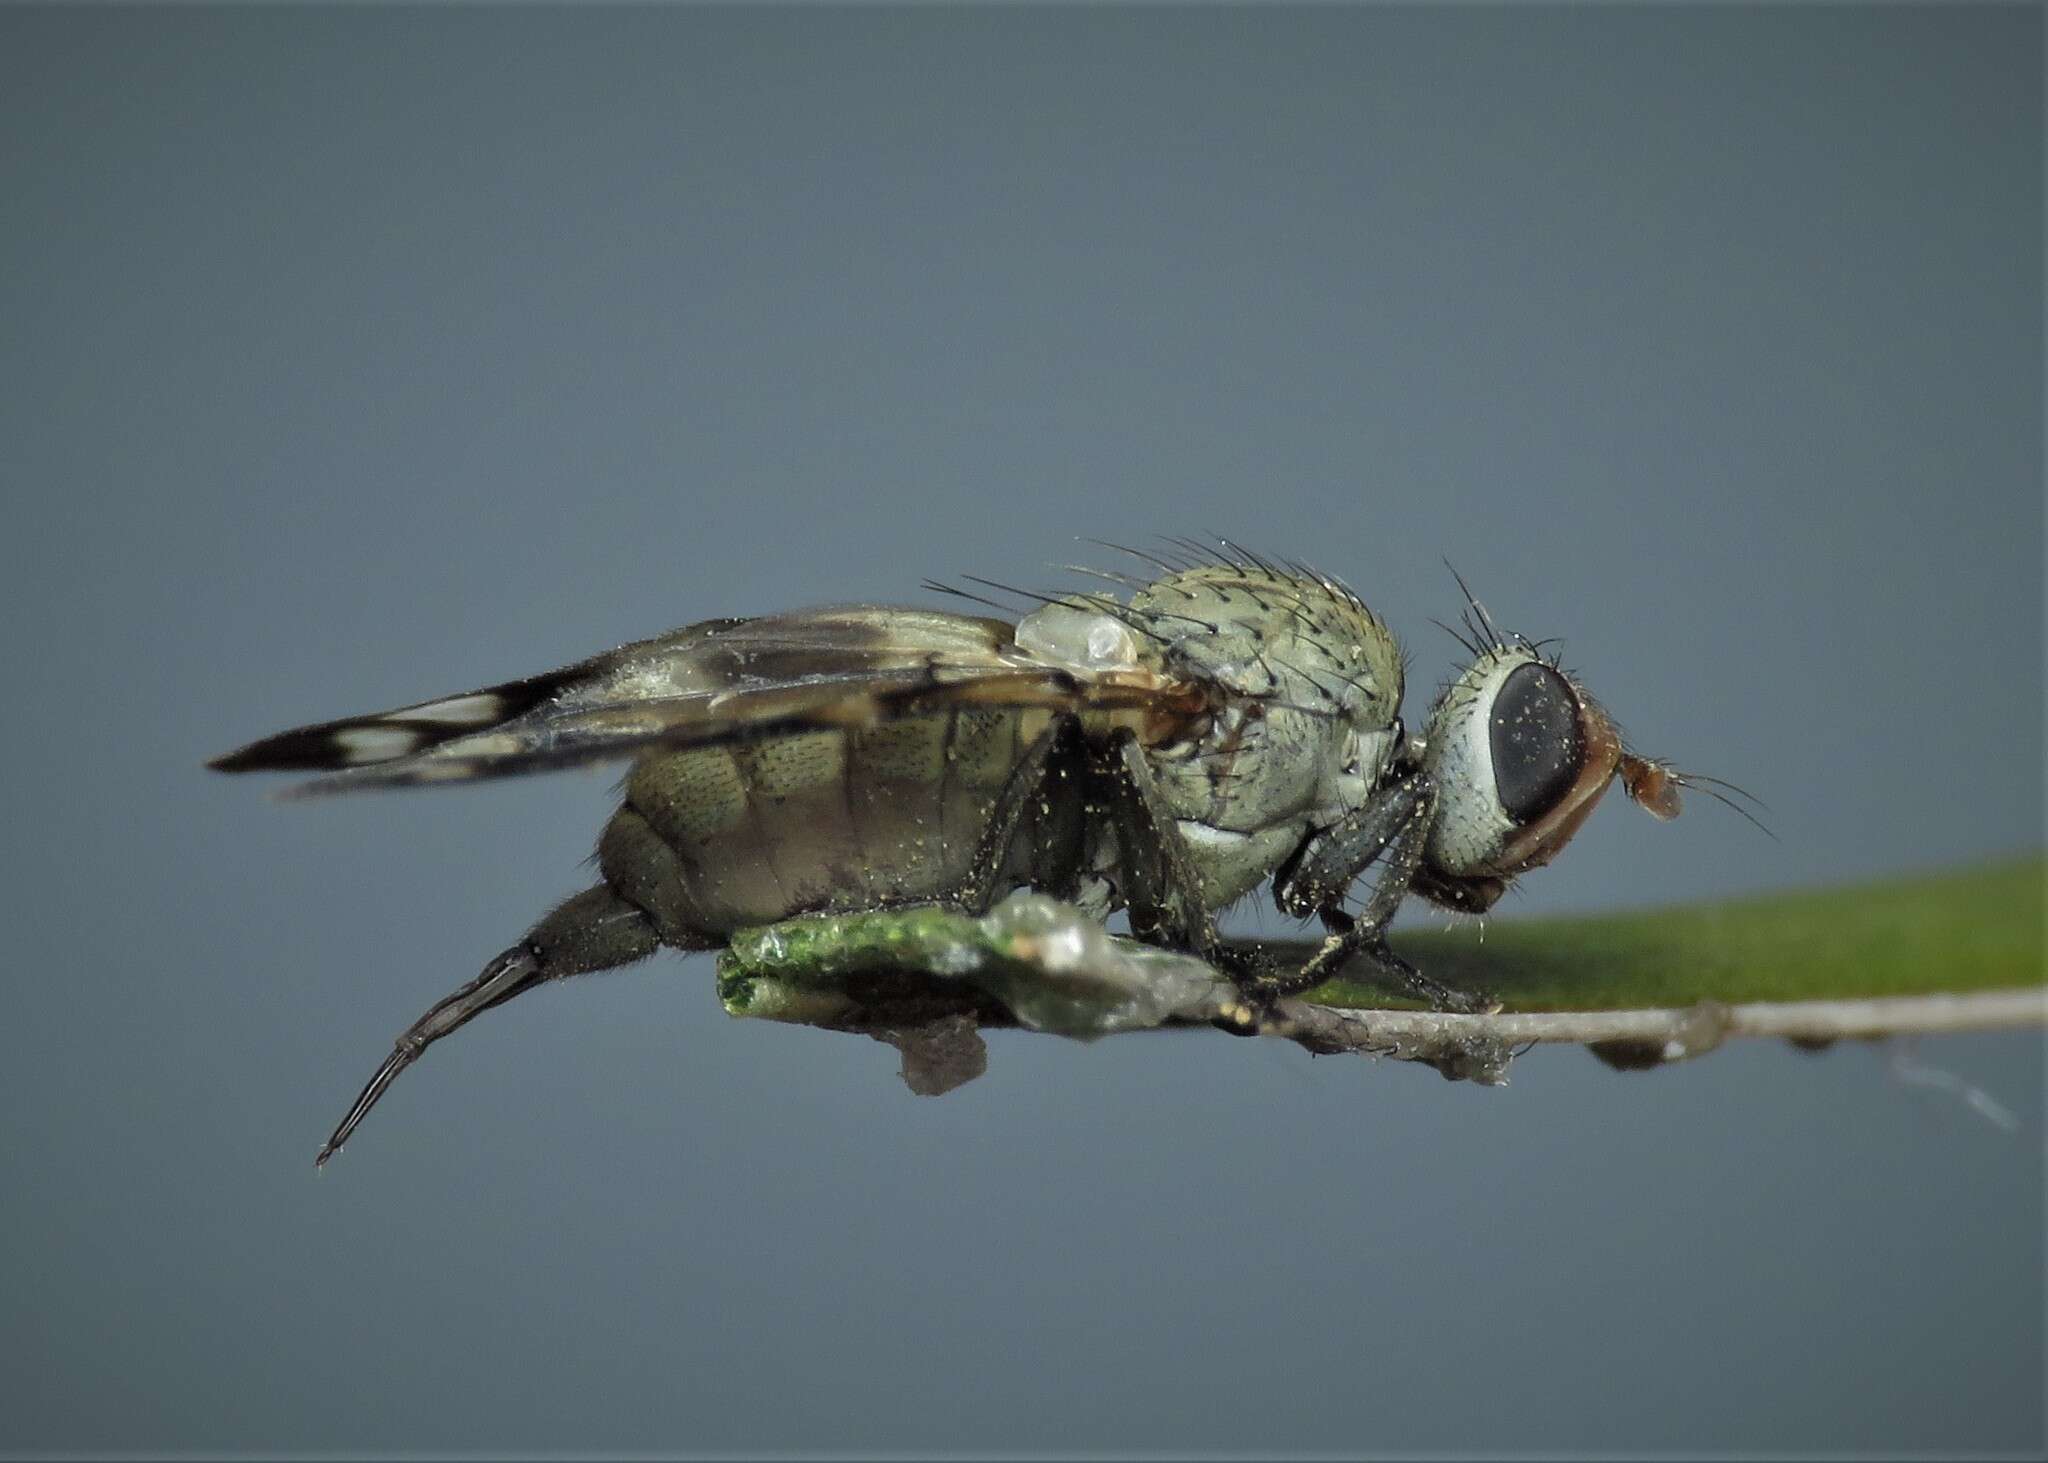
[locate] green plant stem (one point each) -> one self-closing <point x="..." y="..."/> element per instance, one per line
<point x="1974" y="930"/>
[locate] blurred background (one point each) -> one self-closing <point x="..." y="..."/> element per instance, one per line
<point x="353" y="356"/>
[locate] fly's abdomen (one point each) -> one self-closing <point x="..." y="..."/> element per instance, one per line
<point x="715" y="838"/>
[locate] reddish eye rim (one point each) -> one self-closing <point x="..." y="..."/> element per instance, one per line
<point x="1538" y="842"/>
<point x="1649" y="784"/>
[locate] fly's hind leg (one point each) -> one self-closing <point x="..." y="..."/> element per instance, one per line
<point x="1043" y="801"/>
<point x="594" y="930"/>
<point x="1161" y="889"/>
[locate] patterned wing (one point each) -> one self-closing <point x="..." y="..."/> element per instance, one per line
<point x="721" y="680"/>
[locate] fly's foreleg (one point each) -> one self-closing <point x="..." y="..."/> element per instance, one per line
<point x="1392" y="832"/>
<point x="1395" y="817"/>
<point x="594" y="930"/>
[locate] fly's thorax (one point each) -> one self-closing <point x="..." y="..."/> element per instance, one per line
<point x="1304" y="688"/>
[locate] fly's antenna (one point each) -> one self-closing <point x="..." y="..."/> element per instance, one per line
<point x="1713" y="788"/>
<point x="1654" y="786"/>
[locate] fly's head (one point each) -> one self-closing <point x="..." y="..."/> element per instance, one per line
<point x="1521" y="754"/>
<point x="1305" y="693"/>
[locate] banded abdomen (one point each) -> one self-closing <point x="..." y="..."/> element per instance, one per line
<point x="714" y="838"/>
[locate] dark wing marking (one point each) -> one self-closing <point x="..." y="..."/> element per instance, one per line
<point x="722" y="680"/>
<point x="387" y="735"/>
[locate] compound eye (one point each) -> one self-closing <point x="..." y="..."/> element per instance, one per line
<point x="1538" y="747"/>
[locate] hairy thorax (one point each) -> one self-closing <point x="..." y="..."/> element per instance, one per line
<point x="1306" y="690"/>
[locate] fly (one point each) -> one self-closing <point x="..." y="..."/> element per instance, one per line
<point x="1164" y="746"/>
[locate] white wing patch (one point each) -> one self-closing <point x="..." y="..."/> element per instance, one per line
<point x="360" y="744"/>
<point x="479" y="709"/>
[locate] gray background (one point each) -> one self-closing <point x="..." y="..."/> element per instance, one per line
<point x="355" y="356"/>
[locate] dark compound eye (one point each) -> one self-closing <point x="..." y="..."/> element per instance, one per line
<point x="1537" y="746"/>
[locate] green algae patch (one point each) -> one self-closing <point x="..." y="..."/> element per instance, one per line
<point x="1051" y="966"/>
